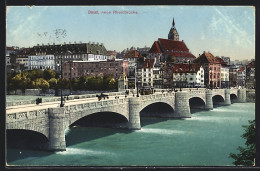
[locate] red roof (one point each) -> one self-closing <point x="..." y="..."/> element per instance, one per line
<point x="172" y="45"/>
<point x="9" y="48"/>
<point x="181" y="54"/>
<point x="155" y="48"/>
<point x="207" y="57"/>
<point x="241" y="69"/>
<point x="132" y="54"/>
<point x="186" y="68"/>
<point x="148" y="63"/>
<point x="112" y="52"/>
<point x="221" y="61"/>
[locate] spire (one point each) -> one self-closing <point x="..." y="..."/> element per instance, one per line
<point x="173" y="24"/>
<point x="173" y="34"/>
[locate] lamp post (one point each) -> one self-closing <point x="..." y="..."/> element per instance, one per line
<point x="70" y="77"/>
<point x="61" y="72"/>
<point x="136" y="78"/>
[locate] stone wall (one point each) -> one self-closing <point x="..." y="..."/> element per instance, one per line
<point x="250" y="95"/>
<point x="51" y="92"/>
<point x="88" y="94"/>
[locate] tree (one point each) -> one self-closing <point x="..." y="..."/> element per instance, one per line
<point x="171" y="58"/>
<point x="53" y="82"/>
<point x="48" y="74"/>
<point x="247" y="155"/>
<point x="42" y="84"/>
<point x="112" y="84"/>
<point x="35" y="74"/>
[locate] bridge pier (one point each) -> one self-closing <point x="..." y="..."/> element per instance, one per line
<point x="241" y="95"/>
<point x="227" y="97"/>
<point x="209" y="102"/>
<point x="134" y="113"/>
<point x="182" y="106"/>
<point x="57" y="140"/>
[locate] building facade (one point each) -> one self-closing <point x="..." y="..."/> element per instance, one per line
<point x="241" y="77"/>
<point x="147" y="73"/>
<point x="114" y="68"/>
<point x="250" y="75"/>
<point x="188" y="75"/>
<point x="212" y="69"/>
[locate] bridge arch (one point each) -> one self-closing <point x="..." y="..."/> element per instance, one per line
<point x="233" y="97"/>
<point x="72" y="116"/>
<point x="103" y="119"/>
<point x="217" y="99"/>
<point x="32" y="127"/>
<point x="25" y="138"/>
<point x="197" y="102"/>
<point x="158" y="109"/>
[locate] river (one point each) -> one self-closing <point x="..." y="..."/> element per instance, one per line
<point x="205" y="139"/>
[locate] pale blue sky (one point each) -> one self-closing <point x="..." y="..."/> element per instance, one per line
<point x="224" y="31"/>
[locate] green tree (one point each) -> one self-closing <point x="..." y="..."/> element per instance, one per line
<point x="42" y="84"/>
<point x="247" y="154"/>
<point x="53" y="83"/>
<point x="112" y="84"/>
<point x="48" y="74"/>
<point x="35" y="74"/>
<point x="171" y="58"/>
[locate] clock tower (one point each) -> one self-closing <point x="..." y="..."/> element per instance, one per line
<point x="173" y="34"/>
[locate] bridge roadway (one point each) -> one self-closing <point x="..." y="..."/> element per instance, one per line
<point x="51" y="120"/>
<point x="46" y="105"/>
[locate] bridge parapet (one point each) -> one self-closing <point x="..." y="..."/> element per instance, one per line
<point x="22" y="116"/>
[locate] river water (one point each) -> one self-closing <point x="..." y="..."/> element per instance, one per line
<point x="205" y="139"/>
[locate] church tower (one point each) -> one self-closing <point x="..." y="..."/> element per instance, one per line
<point x="173" y="34"/>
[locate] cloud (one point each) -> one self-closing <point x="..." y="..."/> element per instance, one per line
<point x="21" y="30"/>
<point x="234" y="29"/>
<point x="203" y="36"/>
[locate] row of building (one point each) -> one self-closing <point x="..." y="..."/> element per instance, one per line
<point x="167" y="64"/>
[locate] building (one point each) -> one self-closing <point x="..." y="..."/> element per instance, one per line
<point x="241" y="77"/>
<point x="250" y="75"/>
<point x="173" y="33"/>
<point x="226" y="59"/>
<point x="22" y="61"/>
<point x="188" y="75"/>
<point x="17" y="59"/>
<point x="133" y="57"/>
<point x="224" y="72"/>
<point x="157" y="76"/>
<point x="9" y="51"/>
<point x="233" y="75"/>
<point x="147" y="73"/>
<point x="143" y="51"/>
<point x="42" y="56"/>
<point x="163" y="49"/>
<point x="112" y="54"/>
<point x="114" y="68"/>
<point x="42" y="62"/>
<point x="212" y="69"/>
<point x="155" y="52"/>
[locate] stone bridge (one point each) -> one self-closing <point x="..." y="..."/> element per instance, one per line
<point x="51" y="121"/>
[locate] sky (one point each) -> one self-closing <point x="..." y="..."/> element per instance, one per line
<point x="222" y="30"/>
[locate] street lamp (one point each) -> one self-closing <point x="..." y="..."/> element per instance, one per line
<point x="136" y="76"/>
<point x="61" y="72"/>
<point x="70" y="77"/>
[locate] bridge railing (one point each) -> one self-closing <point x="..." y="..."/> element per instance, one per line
<point x="156" y="96"/>
<point x="91" y="105"/>
<point x="20" y="116"/>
